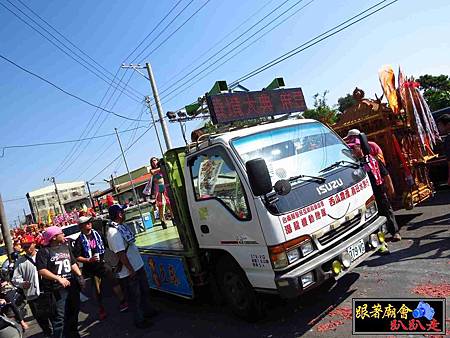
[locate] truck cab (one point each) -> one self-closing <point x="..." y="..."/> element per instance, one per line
<point x="305" y="213"/>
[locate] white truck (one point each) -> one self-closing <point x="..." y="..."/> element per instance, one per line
<point x="276" y="208"/>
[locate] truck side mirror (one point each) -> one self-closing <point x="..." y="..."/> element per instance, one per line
<point x="258" y="176"/>
<point x="365" y="147"/>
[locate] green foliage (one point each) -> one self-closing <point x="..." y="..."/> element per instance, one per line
<point x="436" y="90"/>
<point x="322" y="111"/>
<point x="441" y="82"/>
<point x="346" y="102"/>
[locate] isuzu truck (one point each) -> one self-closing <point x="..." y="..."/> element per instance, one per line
<point x="278" y="207"/>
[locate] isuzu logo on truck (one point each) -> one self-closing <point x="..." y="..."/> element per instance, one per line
<point x="324" y="188"/>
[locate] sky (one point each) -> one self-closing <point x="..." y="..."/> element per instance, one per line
<point x="412" y="34"/>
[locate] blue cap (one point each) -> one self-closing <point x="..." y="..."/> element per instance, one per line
<point x="114" y="211"/>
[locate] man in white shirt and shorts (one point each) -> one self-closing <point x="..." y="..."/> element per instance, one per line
<point x="130" y="269"/>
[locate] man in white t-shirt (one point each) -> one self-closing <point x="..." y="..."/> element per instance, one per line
<point x="131" y="271"/>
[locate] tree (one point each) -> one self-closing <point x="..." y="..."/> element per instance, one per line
<point x="436" y="90"/>
<point x="322" y="111"/>
<point x="346" y="102"/>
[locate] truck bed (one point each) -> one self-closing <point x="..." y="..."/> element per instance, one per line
<point x="158" y="239"/>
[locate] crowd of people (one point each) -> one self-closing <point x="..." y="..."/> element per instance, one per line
<point x="51" y="272"/>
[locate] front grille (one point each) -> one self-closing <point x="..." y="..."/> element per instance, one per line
<point x="344" y="227"/>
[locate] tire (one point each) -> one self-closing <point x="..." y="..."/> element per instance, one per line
<point x="237" y="291"/>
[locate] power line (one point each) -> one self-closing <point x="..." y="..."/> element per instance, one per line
<point x="157" y="25"/>
<point x="68" y="161"/>
<point x="66" y="92"/>
<point x="176" y="30"/>
<point x="163" y="30"/>
<point x="222" y="49"/>
<point x="116" y="158"/>
<point x="74" y="148"/>
<point x="102" y="77"/>
<point x="107" y="148"/>
<point x="95" y="160"/>
<point x="41" y="144"/>
<point x="71" y="43"/>
<point x="240" y="44"/>
<point x="310" y="42"/>
<point x="217" y="43"/>
<point x="104" y="151"/>
<point x="14" y="199"/>
<point x="86" y="129"/>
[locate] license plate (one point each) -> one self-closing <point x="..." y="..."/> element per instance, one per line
<point x="357" y="249"/>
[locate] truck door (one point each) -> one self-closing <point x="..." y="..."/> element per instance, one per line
<point x="223" y="215"/>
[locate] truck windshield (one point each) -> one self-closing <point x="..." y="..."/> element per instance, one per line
<point x="303" y="149"/>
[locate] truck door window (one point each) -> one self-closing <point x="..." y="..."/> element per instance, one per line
<point x="214" y="177"/>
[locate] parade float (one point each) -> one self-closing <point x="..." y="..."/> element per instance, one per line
<point x="405" y="130"/>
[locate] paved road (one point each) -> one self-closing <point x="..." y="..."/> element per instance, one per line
<point x="419" y="263"/>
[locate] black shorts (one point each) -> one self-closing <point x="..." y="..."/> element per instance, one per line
<point x="100" y="270"/>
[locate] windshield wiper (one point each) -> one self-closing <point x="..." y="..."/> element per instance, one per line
<point x="340" y="163"/>
<point x="307" y="178"/>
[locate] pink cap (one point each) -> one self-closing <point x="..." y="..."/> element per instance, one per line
<point x="49" y="233"/>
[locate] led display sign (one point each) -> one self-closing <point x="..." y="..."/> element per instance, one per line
<point x="229" y="107"/>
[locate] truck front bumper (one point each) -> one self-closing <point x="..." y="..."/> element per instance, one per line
<point x="290" y="284"/>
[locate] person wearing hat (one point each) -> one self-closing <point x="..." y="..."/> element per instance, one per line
<point x="27" y="278"/>
<point x="89" y="250"/>
<point x="377" y="173"/>
<point x="131" y="271"/>
<point x="62" y="278"/>
<point x="375" y="149"/>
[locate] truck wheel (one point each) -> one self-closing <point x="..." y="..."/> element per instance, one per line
<point x="238" y="292"/>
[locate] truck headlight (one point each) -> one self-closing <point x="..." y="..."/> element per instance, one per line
<point x="293" y="255"/>
<point x="306" y="247"/>
<point x="371" y="208"/>
<point x="282" y="255"/>
<point x="307" y="279"/>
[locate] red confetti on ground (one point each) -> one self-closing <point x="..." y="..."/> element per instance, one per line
<point x="434" y="291"/>
<point x="344" y="312"/>
<point x="330" y="326"/>
<point x="313" y="321"/>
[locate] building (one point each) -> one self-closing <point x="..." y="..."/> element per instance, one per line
<point x="123" y="189"/>
<point x="43" y="200"/>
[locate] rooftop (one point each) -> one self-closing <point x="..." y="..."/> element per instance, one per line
<point x="51" y="188"/>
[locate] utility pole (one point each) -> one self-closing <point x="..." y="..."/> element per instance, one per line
<point x="114" y="183"/>
<point x="90" y="196"/>
<point x="164" y="128"/>
<point x="151" y="78"/>
<point x="147" y="99"/>
<point x="5" y="230"/>
<point x="131" y="179"/>
<point x="52" y="179"/>
<point x="38" y="214"/>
